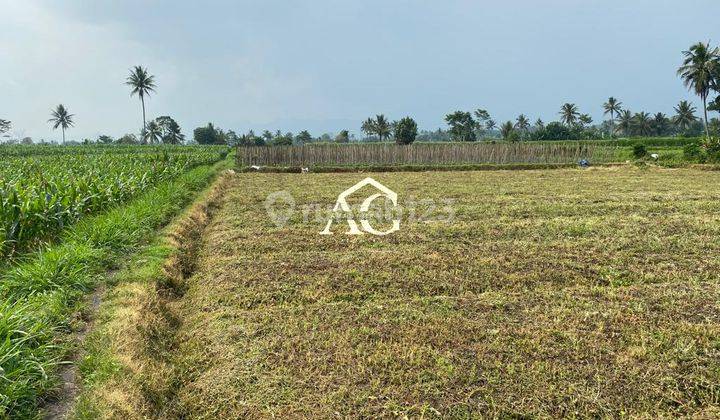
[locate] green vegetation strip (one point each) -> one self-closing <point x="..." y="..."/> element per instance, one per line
<point x="42" y="194"/>
<point x="40" y="294"/>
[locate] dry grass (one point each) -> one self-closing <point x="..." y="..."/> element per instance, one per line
<point x="128" y="369"/>
<point x="552" y="293"/>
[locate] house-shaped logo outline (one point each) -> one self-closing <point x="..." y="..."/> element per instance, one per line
<point x="342" y="204"/>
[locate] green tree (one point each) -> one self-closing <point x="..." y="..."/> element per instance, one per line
<point x="642" y="124"/>
<point x="553" y="131"/>
<point x="103" y="139"/>
<point x="5" y="126"/>
<point x="267" y="136"/>
<point x="661" y="124"/>
<point x="170" y="132"/>
<point x="612" y="107"/>
<point x="382" y="127"/>
<point x="539" y="124"/>
<point x="152" y="133"/>
<point x="684" y="115"/>
<point x="490" y="124"/>
<point x="405" y="131"/>
<point x="506" y="130"/>
<point x="462" y="126"/>
<point x="625" y="122"/>
<point x="585" y="120"/>
<point x="303" y="137"/>
<point x="482" y="118"/>
<point x="522" y="123"/>
<point x="368" y="127"/>
<point x="283" y="139"/>
<point x="714" y="105"/>
<point x="127" y="139"/>
<point x="209" y="135"/>
<point x="61" y="118"/>
<point x="141" y="84"/>
<point x="699" y="70"/>
<point x="343" y="136"/>
<point x="569" y="114"/>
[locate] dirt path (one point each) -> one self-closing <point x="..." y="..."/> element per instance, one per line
<point x="63" y="400"/>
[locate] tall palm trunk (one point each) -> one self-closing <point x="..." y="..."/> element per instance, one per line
<point x="707" y="130"/>
<point x="144" y="126"/>
<point x="63" y="130"/>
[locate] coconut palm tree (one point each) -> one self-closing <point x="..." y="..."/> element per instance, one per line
<point x="699" y="71"/>
<point x="642" y="124"/>
<point x="684" y="115"/>
<point x="569" y="114"/>
<point x="539" y="124"/>
<point x="585" y="119"/>
<point x="153" y="133"/>
<point x="382" y="127"/>
<point x="61" y="118"/>
<point x="368" y="127"/>
<point x="490" y="124"/>
<point x="506" y="129"/>
<point x="612" y="107"/>
<point x="661" y="124"/>
<point x="142" y="84"/>
<point x="522" y="123"/>
<point x="625" y="122"/>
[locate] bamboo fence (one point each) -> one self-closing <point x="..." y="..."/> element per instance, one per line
<point x="423" y="154"/>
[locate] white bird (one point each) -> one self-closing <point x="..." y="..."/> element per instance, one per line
<point x="257" y="168"/>
<point x="304" y="170"/>
<point x="655" y="156"/>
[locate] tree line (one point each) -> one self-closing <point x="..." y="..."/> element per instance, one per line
<point x="699" y="71"/>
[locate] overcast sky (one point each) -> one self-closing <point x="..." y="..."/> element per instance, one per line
<point x="326" y="65"/>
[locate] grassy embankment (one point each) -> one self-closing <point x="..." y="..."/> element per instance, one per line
<point x="551" y="293"/>
<point x="41" y="294"/>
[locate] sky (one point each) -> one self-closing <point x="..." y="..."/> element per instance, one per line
<point x="326" y="65"/>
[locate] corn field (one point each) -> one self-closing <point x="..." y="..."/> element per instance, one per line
<point x="41" y="194"/>
<point x="423" y="154"/>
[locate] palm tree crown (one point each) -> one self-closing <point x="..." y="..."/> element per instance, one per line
<point x="368" y="127"/>
<point x="506" y="129"/>
<point x="699" y="72"/>
<point x="382" y="127"/>
<point x="153" y="133"/>
<point x="61" y="118"/>
<point x="569" y="113"/>
<point x="522" y="123"/>
<point x="625" y="121"/>
<point x="612" y="107"/>
<point x="684" y="115"/>
<point x="643" y="124"/>
<point x="142" y="83"/>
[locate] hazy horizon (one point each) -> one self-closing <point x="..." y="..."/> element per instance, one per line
<point x="328" y="65"/>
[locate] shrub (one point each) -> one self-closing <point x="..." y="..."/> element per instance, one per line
<point x="693" y="151"/>
<point x="552" y="131"/>
<point x="712" y="149"/>
<point x="639" y="151"/>
<point x="405" y="131"/>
